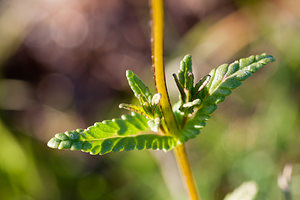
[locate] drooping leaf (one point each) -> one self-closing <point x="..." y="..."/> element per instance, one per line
<point x="128" y="133"/>
<point x="223" y="79"/>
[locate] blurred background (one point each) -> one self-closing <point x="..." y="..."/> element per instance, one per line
<point x="63" y="67"/>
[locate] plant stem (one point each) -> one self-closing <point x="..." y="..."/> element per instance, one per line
<point x="158" y="65"/>
<point x="186" y="171"/>
<point x="160" y="83"/>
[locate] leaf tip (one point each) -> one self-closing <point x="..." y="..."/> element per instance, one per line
<point x="271" y="58"/>
<point x="187" y="57"/>
<point x="186" y="60"/>
<point x="128" y="72"/>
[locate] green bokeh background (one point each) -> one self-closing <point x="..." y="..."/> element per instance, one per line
<point x="63" y="67"/>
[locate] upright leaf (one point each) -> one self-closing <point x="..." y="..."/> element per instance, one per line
<point x="188" y="92"/>
<point x="223" y="79"/>
<point x="137" y="86"/>
<point x="185" y="74"/>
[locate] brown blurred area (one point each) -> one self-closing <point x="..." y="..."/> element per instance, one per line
<point x="70" y="67"/>
<point x="72" y="62"/>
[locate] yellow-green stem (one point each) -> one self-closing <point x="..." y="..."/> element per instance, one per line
<point x="186" y="172"/>
<point x="160" y="83"/>
<point x="158" y="65"/>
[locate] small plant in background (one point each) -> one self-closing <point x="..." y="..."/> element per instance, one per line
<point x="247" y="191"/>
<point x="284" y="181"/>
<point x="154" y="123"/>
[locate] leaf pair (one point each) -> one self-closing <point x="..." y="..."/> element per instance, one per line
<point x="141" y="130"/>
<point x="223" y="80"/>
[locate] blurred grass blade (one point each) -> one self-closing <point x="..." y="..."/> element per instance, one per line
<point x="247" y="191"/>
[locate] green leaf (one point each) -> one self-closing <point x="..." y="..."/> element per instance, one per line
<point x="137" y="86"/>
<point x="185" y="83"/>
<point x="200" y="85"/>
<point x="125" y="134"/>
<point x="180" y="88"/>
<point x="185" y="73"/>
<point x="185" y="79"/>
<point x="223" y="80"/>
